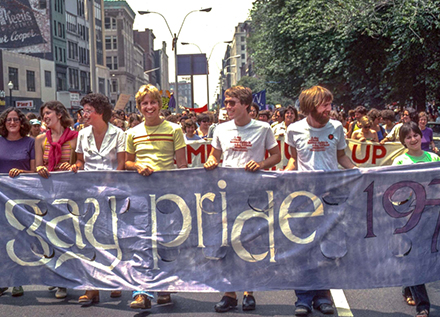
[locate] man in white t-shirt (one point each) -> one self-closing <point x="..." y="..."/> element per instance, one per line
<point x="243" y="143"/>
<point x="316" y="143"/>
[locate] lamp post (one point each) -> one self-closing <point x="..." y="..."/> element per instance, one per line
<point x="10" y="86"/>
<point x="174" y="46"/>
<point x="207" y="63"/>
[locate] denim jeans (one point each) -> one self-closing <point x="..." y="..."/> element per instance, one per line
<point x="317" y="298"/>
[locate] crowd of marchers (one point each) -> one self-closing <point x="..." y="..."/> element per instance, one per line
<point x="241" y="133"/>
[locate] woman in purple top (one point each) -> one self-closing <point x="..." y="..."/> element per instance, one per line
<point x="427" y="138"/>
<point x="17" y="154"/>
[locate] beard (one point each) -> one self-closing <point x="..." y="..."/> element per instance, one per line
<point x="319" y="117"/>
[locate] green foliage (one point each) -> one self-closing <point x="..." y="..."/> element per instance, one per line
<point x="366" y="51"/>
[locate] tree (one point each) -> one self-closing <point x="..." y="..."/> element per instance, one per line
<point x="366" y="51"/>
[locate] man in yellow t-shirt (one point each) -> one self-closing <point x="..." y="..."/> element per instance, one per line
<point x="151" y="146"/>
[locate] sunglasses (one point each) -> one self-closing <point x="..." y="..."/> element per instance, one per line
<point x="231" y="102"/>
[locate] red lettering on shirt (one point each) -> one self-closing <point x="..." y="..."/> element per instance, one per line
<point x="318" y="146"/>
<point x="239" y="145"/>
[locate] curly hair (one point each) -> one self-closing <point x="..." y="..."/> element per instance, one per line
<point x="150" y="90"/>
<point x="54" y="105"/>
<point x="100" y="103"/>
<point x="25" y="126"/>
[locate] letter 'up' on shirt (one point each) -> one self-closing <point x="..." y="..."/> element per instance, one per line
<point x="317" y="148"/>
<point x="241" y="144"/>
<point x="155" y="146"/>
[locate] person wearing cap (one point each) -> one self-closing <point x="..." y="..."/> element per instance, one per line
<point x="35" y="128"/>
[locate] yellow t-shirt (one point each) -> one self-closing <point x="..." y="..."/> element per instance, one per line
<point x="155" y="145"/>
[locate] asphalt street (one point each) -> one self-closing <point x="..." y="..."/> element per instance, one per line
<point x="39" y="301"/>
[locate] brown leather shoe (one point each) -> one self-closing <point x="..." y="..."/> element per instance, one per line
<point x="140" y="302"/>
<point x="89" y="297"/>
<point x="115" y="294"/>
<point x="164" y="299"/>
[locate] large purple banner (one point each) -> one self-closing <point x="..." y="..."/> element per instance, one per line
<point x="197" y="230"/>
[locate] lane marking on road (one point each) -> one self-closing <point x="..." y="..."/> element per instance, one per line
<point x="341" y="303"/>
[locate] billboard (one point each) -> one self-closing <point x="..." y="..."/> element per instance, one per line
<point x="192" y="64"/>
<point x="25" y="26"/>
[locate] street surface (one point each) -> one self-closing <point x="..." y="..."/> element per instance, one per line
<point x="39" y="301"/>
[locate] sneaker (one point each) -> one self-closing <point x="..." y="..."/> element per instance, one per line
<point x="3" y="290"/>
<point x="301" y="310"/>
<point x="140" y="302"/>
<point x="61" y="292"/>
<point x="225" y="304"/>
<point x="17" y="291"/>
<point x="326" y="309"/>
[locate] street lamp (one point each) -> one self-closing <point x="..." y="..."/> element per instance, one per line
<point x="207" y="63"/>
<point x="10" y="86"/>
<point x="174" y="46"/>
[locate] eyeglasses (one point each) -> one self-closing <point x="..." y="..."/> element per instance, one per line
<point x="231" y="102"/>
<point x="13" y="119"/>
<point x="88" y="111"/>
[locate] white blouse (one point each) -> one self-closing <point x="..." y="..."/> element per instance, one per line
<point x="107" y="156"/>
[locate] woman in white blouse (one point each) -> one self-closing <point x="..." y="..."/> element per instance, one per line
<point x="100" y="146"/>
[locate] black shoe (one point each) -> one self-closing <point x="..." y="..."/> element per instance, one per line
<point x="326" y="309"/>
<point x="301" y="310"/>
<point x="249" y="302"/>
<point x="225" y="304"/>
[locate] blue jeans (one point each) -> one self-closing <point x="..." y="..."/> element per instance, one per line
<point x="317" y="298"/>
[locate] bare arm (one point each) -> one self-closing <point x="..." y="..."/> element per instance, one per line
<point x="79" y="164"/>
<point x="181" y="158"/>
<point x="130" y="164"/>
<point x="292" y="164"/>
<point x="40" y="168"/>
<point x="13" y="172"/>
<point x="121" y="161"/>
<point x="350" y="129"/>
<point x="213" y="159"/>
<point x="273" y="159"/>
<point x="344" y="160"/>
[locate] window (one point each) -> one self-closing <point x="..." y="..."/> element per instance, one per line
<point x="61" y="81"/>
<point x="108" y="60"/>
<point x="115" y="62"/>
<point x="54" y="27"/>
<point x="73" y="78"/>
<point x="107" y="23"/>
<point x="60" y="30"/>
<point x="30" y="80"/>
<point x="48" y="78"/>
<point x="71" y="23"/>
<point x="243" y="56"/>
<point x="84" y="82"/>
<point x="13" y="76"/>
<point x="243" y="47"/>
<point x="108" y="42"/>
<point x="115" y="42"/>
<point x="101" y="84"/>
<point x="114" y="85"/>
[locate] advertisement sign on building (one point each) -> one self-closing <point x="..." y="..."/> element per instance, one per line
<point x="25" y="26"/>
<point x="24" y="104"/>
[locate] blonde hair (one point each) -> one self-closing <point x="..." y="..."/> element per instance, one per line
<point x="150" y="90"/>
<point x="311" y="98"/>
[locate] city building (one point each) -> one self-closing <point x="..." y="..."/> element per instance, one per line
<point x="184" y="93"/>
<point x="126" y="57"/>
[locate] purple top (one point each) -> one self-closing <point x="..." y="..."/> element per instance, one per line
<point x="427" y="137"/>
<point x="16" y="154"/>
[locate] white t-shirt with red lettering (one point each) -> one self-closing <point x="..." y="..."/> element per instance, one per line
<point x="316" y="148"/>
<point x="240" y="144"/>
